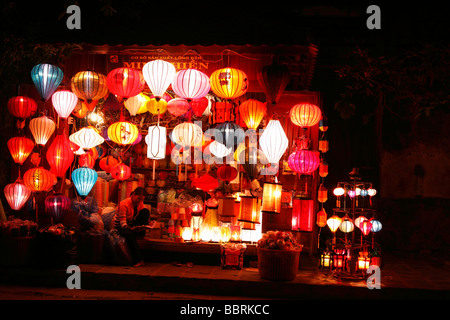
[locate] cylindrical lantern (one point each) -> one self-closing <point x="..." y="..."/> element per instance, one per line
<point x="123" y="132"/>
<point x="57" y="205"/>
<point x="304" y="161"/>
<point x="22" y="107"/>
<point x="125" y="82"/>
<point x="322" y="194"/>
<point x="17" y="193"/>
<point x="334" y="223"/>
<point x="303" y="210"/>
<point x="323" y="168"/>
<point x="84" y="179"/>
<point x="321" y="219"/>
<point x="38" y="179"/>
<point x="271" y="198"/>
<point x="159" y="75"/>
<point x="187" y="134"/>
<point x="273" y="141"/>
<point x="42" y="128"/>
<point x="249" y="210"/>
<point x="305" y="114"/>
<point x="60" y="155"/>
<point x="20" y="148"/>
<point x="64" y="102"/>
<point x="156" y="142"/>
<point x="86" y="138"/>
<point x="252" y="112"/>
<point x="323" y="145"/>
<point x="226" y="173"/>
<point x="46" y="78"/>
<point x="191" y="84"/>
<point x="229" y="83"/>
<point x="121" y="172"/>
<point x="90" y="87"/>
<point x="226" y="207"/>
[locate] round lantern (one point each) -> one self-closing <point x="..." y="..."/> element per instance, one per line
<point x="42" y="128"/>
<point x="20" y="148"/>
<point x="80" y="110"/>
<point x="156" y="107"/>
<point x="123" y="132"/>
<point x="333" y="223"/>
<point x="64" y="102"/>
<point x="199" y="106"/>
<point x="46" y="78"/>
<point x="178" y="106"/>
<point x="232" y="134"/>
<point x="57" y="205"/>
<point x="38" y="179"/>
<point x="252" y="112"/>
<point x="305" y="114"/>
<point x="274" y="79"/>
<point x="321" y="219"/>
<point x="17" y="193"/>
<point x="121" y="171"/>
<point x="187" y="134"/>
<point x="339" y="191"/>
<point x="60" y="155"/>
<point x="22" y="107"/>
<point x="371" y="192"/>
<point x="359" y="220"/>
<point x="226" y="173"/>
<point x="376" y="225"/>
<point x="125" y="82"/>
<point x="107" y="163"/>
<point x="273" y="141"/>
<point x="86" y="138"/>
<point x="219" y="149"/>
<point x="346" y="225"/>
<point x="159" y="75"/>
<point x="84" y="179"/>
<point x="229" y="83"/>
<point x="304" y="161"/>
<point x="156" y="142"/>
<point x="206" y="183"/>
<point x="90" y="87"/>
<point x="136" y="103"/>
<point x="191" y="84"/>
<point x="366" y="227"/>
<point x="86" y="160"/>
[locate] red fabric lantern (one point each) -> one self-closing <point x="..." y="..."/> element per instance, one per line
<point x="60" y="155"/>
<point x="178" y="106"/>
<point x="252" y="112"/>
<point x="305" y="114"/>
<point x="125" y="82"/>
<point x="121" y="171"/>
<point x="321" y="219"/>
<point x="86" y="160"/>
<point x="20" y="148"/>
<point x="227" y="173"/>
<point x="57" y="205"/>
<point x="304" y="161"/>
<point x="17" y="193"/>
<point x="22" y="107"/>
<point x="274" y="79"/>
<point x="366" y="227"/>
<point x="199" y="106"/>
<point x="38" y="179"/>
<point x="107" y="163"/>
<point x="303" y="211"/>
<point x="205" y="183"/>
<point x="322" y="194"/>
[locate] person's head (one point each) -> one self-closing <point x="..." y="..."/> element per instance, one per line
<point x="138" y="195"/>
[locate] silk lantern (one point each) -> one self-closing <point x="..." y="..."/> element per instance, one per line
<point x="205" y="182"/>
<point x="249" y="210"/>
<point x="60" y="155"/>
<point x="232" y="134"/>
<point x="271" y="198"/>
<point x="46" y="78"/>
<point x="17" y="194"/>
<point x="84" y="179"/>
<point x="89" y="86"/>
<point x="229" y="83"/>
<point x="86" y="160"/>
<point x="321" y="219"/>
<point x="64" y="102"/>
<point x="178" y="106"/>
<point x="123" y="132"/>
<point x="57" y="205"/>
<point x="199" y="106"/>
<point x="125" y="82"/>
<point x="322" y="194"/>
<point x="157" y="107"/>
<point x="274" y="79"/>
<point x="346" y="225"/>
<point x="273" y="141"/>
<point x="187" y="134"/>
<point x="136" y="103"/>
<point x="333" y="223"/>
<point x="252" y="112"/>
<point x="158" y="74"/>
<point x="22" y="107"/>
<point x="42" y="128"/>
<point x="376" y="225"/>
<point x="156" y="142"/>
<point x="226" y="173"/>
<point x="121" y="172"/>
<point x="304" y="161"/>
<point x="305" y="114"/>
<point x="38" y="179"/>
<point x="303" y="211"/>
<point x="86" y="138"/>
<point x="219" y="149"/>
<point x="20" y="148"/>
<point x="191" y="84"/>
<point x="107" y="163"/>
<point x="366" y="227"/>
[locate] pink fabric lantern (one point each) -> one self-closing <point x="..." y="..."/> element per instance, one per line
<point x="178" y="106"/>
<point x="304" y="161"/>
<point x="191" y="84"/>
<point x="17" y="193"/>
<point x="57" y="205"/>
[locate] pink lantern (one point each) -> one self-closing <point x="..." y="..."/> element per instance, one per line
<point x="365" y="227"/>
<point x="191" y="84"/>
<point x="64" y="102"/>
<point x="17" y="193"/>
<point x="57" y="205"/>
<point x="304" y="161"/>
<point x="178" y="106"/>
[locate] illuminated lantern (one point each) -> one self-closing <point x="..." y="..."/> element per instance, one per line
<point x="321" y="219"/>
<point x="219" y="149"/>
<point x="86" y="160"/>
<point x="135" y="103"/>
<point x="346" y="225"/>
<point x="363" y="261"/>
<point x="229" y="83"/>
<point x="80" y="110"/>
<point x="187" y="134"/>
<point x="323" y="125"/>
<point x="366" y="227"/>
<point x="371" y="192"/>
<point x="376" y="225"/>
<point x="226" y="173"/>
<point x="60" y="155"/>
<point x="364" y="192"/>
<point x="38" y="179"/>
<point x="154" y="106"/>
<point x="46" y="78"/>
<point x="178" y="106"/>
<point x="206" y="183"/>
<point x="325" y="259"/>
<point x="351" y="193"/>
<point x="333" y="223"/>
<point x="322" y="194"/>
<point x="252" y="112"/>
<point x="57" y="205"/>
<point x="22" y="107"/>
<point x="199" y="106"/>
<point x="64" y="102"/>
<point x="90" y="87"/>
<point x="84" y="179"/>
<point x="225" y="233"/>
<point x="123" y="132"/>
<point x="125" y="82"/>
<point x="274" y="79"/>
<point x="158" y="74"/>
<point x="232" y="134"/>
<point x="42" y="128"/>
<point x="249" y="210"/>
<point x="323" y="145"/>
<point x="323" y="168"/>
<point x="273" y="141"/>
<point x="17" y="193"/>
<point x="359" y="220"/>
<point x="271" y="198"/>
<point x="191" y="84"/>
<point x="304" y="161"/>
<point x="121" y="171"/>
<point x="156" y="142"/>
<point x="86" y="138"/>
<point x="305" y="115"/>
<point x="303" y="211"/>
<point x="107" y="163"/>
<point x="20" y="148"/>
<point x="338" y="259"/>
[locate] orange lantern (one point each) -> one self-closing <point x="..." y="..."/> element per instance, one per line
<point x="38" y="179"/>
<point x="249" y="210"/>
<point x="322" y="194"/>
<point x="90" y="87"/>
<point x="22" y="107"/>
<point x="86" y="160"/>
<point x="80" y="110"/>
<point x="121" y="171"/>
<point x="271" y="198"/>
<point x="107" y="163"/>
<point x="323" y="168"/>
<point x="42" y="128"/>
<point x="229" y="83"/>
<point x="123" y="132"/>
<point x="321" y="219"/>
<point x="20" y="148"/>
<point x="17" y="193"/>
<point x="305" y="114"/>
<point x="252" y="112"/>
<point x="59" y="155"/>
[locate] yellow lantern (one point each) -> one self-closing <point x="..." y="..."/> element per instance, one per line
<point x="271" y="198"/>
<point x="225" y="233"/>
<point x="123" y="132"/>
<point x="229" y="83"/>
<point x="333" y="223"/>
<point x="156" y="106"/>
<point x="137" y="104"/>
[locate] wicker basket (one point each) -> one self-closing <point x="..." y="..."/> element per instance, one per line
<point x="278" y="265"/>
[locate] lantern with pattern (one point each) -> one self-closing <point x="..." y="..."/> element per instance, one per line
<point x="42" y="128"/>
<point x="190" y="84"/>
<point x="57" y="205"/>
<point x="273" y="141"/>
<point x="90" y="87"/>
<point x="86" y="138"/>
<point x="64" y="102"/>
<point x="84" y="179"/>
<point x="20" y="148"/>
<point x="252" y="112"/>
<point x="229" y="83"/>
<point x="159" y="75"/>
<point x="22" y="107"/>
<point x="232" y="134"/>
<point x="38" y="179"/>
<point x="17" y="193"/>
<point x="125" y="82"/>
<point x="249" y="210"/>
<point x="60" y="155"/>
<point x="156" y="142"/>
<point x="123" y="132"/>
<point x="305" y="114"/>
<point x="376" y="225"/>
<point x="199" y="106"/>
<point x="46" y="78"/>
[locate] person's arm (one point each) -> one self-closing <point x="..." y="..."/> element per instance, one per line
<point x="122" y="215"/>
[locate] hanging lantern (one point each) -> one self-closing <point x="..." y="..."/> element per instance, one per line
<point x="46" y="78"/>
<point x="156" y="107"/>
<point x="376" y="225"/>
<point x="86" y="138"/>
<point x="64" y="102"/>
<point x="271" y="198"/>
<point x="274" y="79"/>
<point x="219" y="149"/>
<point x="42" y="128"/>
<point x="17" y="193"/>
<point x="273" y="141"/>
<point x="125" y="82"/>
<point x="178" y="106"/>
<point x="346" y="225"/>
<point x="227" y="173"/>
<point x="123" y="132"/>
<point x="60" y="155"/>
<point x="333" y="223"/>
<point x="121" y="172"/>
<point x="304" y="161"/>
<point x="366" y="227"/>
<point x="303" y="212"/>
<point x="371" y="192"/>
<point x="84" y="179"/>
<point x="321" y="219"/>
<point x="90" y="87"/>
<point x="229" y="83"/>
<point x="156" y="142"/>
<point x="20" y="148"/>
<point x="80" y="110"/>
<point x="38" y="179"/>
<point x="323" y="145"/>
<point x="199" y="106"/>
<point x="86" y="160"/>
<point x="323" y="168"/>
<point x="359" y="220"/>
<point x="158" y="74"/>
<point x="249" y="210"/>
<point x="305" y="115"/>
<point x="22" y="107"/>
<point x="232" y="134"/>
<point x="136" y="103"/>
<point x="322" y="194"/>
<point x="107" y="163"/>
<point x="226" y="207"/>
<point x="187" y="134"/>
<point x="206" y="183"/>
<point x="252" y="112"/>
<point x="57" y="205"/>
<point x="251" y="159"/>
<point x="323" y="124"/>
<point x="190" y="84"/>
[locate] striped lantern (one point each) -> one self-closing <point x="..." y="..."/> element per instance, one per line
<point x="252" y="112"/>
<point x="46" y="78"/>
<point x="187" y="134"/>
<point x="86" y="138"/>
<point x="17" y="193"/>
<point x="90" y="87"/>
<point x="333" y="223"/>
<point x="57" y="205"/>
<point x="121" y="172"/>
<point x="229" y="83"/>
<point x="304" y="161"/>
<point x="156" y="142"/>
<point x="305" y="114"/>
<point x="20" y="148"/>
<point x="64" y="102"/>
<point x="273" y="141"/>
<point x="123" y="132"/>
<point x="42" y="128"/>
<point x="191" y="84"/>
<point x="84" y="179"/>
<point x="227" y="173"/>
<point x="219" y="149"/>
<point x="22" y="107"/>
<point x="38" y="179"/>
<point x="346" y="225"/>
<point x="178" y="106"/>
<point x="60" y="155"/>
<point x="137" y="104"/>
<point x="249" y="210"/>
<point x="125" y="82"/>
<point x="232" y="134"/>
<point x="376" y="225"/>
<point x="158" y="74"/>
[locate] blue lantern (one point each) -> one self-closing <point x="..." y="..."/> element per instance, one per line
<point x="46" y="78"/>
<point x="376" y="225"/>
<point x="84" y="179"/>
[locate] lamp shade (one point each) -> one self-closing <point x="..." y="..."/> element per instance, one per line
<point x="252" y="112"/>
<point x="20" y="148"/>
<point x="305" y="114"/>
<point x="250" y="210"/>
<point x="229" y="83"/>
<point x="22" y="107"/>
<point x="273" y="141"/>
<point x="271" y="198"/>
<point x="178" y="106"/>
<point x="86" y="138"/>
<point x="232" y="134"/>
<point x="226" y="173"/>
<point x="38" y="179"/>
<point x="304" y="161"/>
<point x="158" y="74"/>
<point x="191" y="84"/>
<point x="17" y="193"/>
<point x="60" y="155"/>
<point x="89" y="86"/>
<point x="156" y="140"/>
<point x="121" y="171"/>
<point x="42" y="128"/>
<point x="57" y="205"/>
<point x="125" y="82"/>
<point x="187" y="134"/>
<point x="46" y="78"/>
<point x="123" y="132"/>
<point x="84" y="179"/>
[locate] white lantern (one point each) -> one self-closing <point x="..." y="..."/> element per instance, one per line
<point x="156" y="142"/>
<point x="187" y="134"/>
<point x="219" y="149"/>
<point x="159" y="75"/>
<point x="86" y="138"/>
<point x="273" y="141"/>
<point x="64" y="101"/>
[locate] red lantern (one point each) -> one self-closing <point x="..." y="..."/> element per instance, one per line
<point x="274" y="79"/>
<point x="17" y="193"/>
<point x="305" y="114"/>
<point x="178" y="106"/>
<point x="22" y="107"/>
<point x="252" y="112"/>
<point x="321" y="219"/>
<point x="205" y="183"/>
<point x="227" y="173"/>
<point x="60" y="155"/>
<point x="322" y="194"/>
<point x="20" y="148"/>
<point x="304" y="161"/>
<point x="121" y="171"/>
<point x="303" y="211"/>
<point x="199" y="106"/>
<point x="125" y="82"/>
<point x="57" y="205"/>
<point x="323" y="168"/>
<point x="86" y="160"/>
<point x="107" y="163"/>
<point x="38" y="179"/>
<point x="366" y="227"/>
